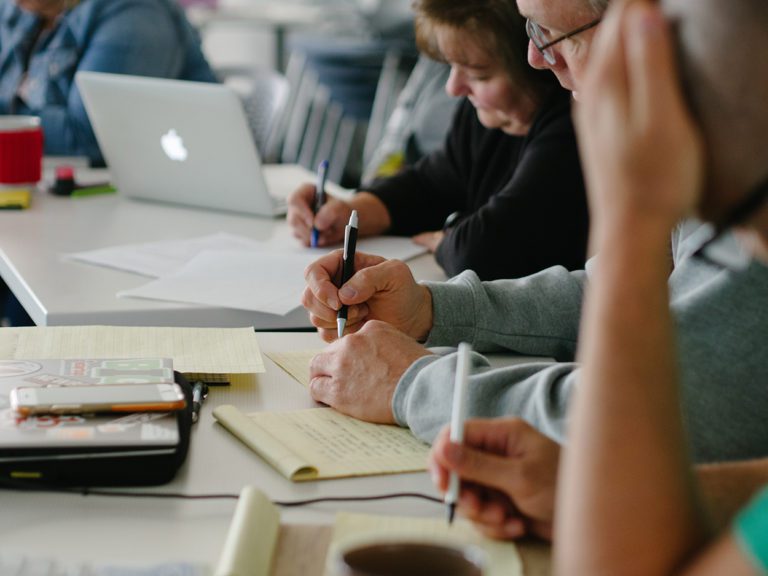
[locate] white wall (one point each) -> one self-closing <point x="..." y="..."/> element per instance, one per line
<point x="230" y="44"/>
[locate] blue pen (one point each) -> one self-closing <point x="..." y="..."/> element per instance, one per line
<point x="322" y="170"/>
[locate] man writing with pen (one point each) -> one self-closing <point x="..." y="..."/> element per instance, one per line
<point x="385" y="373"/>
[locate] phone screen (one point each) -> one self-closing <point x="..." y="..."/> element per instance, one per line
<point x="102" y="393"/>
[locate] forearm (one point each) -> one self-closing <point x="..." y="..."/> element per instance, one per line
<point x="373" y="214"/>
<point x="68" y="131"/>
<point x="627" y="452"/>
<point x="537" y="315"/>
<point x="536" y="392"/>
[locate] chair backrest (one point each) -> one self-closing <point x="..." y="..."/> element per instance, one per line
<point x="395" y="71"/>
<point x="294" y="72"/>
<point x="298" y="117"/>
<point x="265" y="95"/>
<point x="314" y="130"/>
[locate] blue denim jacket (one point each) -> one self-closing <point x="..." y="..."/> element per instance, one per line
<point x="141" y="37"/>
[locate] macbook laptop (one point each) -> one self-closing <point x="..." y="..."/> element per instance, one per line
<point x="183" y="143"/>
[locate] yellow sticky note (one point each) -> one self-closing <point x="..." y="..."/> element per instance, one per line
<point x="15" y="198"/>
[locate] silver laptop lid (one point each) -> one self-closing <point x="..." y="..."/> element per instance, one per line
<point x="177" y="141"/>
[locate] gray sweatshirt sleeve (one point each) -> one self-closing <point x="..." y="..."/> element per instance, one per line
<point x="537" y="392"/>
<point x="537" y="315"/>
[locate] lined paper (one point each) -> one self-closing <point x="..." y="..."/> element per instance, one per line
<point x="295" y="362"/>
<point x="502" y="558"/>
<point x="193" y="350"/>
<point x="321" y="443"/>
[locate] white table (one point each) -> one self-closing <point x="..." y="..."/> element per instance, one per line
<point x="59" y="292"/>
<point x="75" y="528"/>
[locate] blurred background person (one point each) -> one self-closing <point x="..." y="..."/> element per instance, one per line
<point x="509" y="171"/>
<point x="44" y="43"/>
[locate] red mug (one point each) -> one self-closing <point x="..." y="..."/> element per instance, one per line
<point x="21" y="150"/>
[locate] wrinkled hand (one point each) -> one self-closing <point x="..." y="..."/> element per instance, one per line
<point x="379" y="290"/>
<point x="508" y="474"/>
<point x="329" y="221"/>
<point x="357" y="375"/>
<point x="430" y="240"/>
<point x="641" y="151"/>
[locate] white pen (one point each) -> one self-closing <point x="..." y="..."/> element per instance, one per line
<point x="347" y="267"/>
<point x="458" y="415"/>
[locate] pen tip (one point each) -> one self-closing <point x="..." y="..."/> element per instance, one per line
<point x="451" y="513"/>
<point x="340" y="324"/>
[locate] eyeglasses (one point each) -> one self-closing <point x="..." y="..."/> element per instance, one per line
<point x="714" y="250"/>
<point x="539" y="39"/>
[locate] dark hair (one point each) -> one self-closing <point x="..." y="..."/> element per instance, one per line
<point x="497" y="26"/>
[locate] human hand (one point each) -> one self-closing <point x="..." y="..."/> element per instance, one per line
<point x="430" y="240"/>
<point x="641" y="151"/>
<point x="329" y="221"/>
<point x="379" y="290"/>
<point x="357" y="375"/>
<point x="508" y="473"/>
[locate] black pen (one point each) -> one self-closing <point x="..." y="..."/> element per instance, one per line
<point x="348" y="267"/>
<point x="199" y="393"/>
<point x="322" y="171"/>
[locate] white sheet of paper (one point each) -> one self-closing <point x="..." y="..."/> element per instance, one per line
<point x="390" y="247"/>
<point x="159" y="259"/>
<point x="262" y="282"/>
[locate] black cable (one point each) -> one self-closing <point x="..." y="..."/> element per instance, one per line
<point x="85" y="491"/>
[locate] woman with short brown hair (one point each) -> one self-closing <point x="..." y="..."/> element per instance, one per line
<point x="509" y="170"/>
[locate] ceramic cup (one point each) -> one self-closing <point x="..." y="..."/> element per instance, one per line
<point x="21" y="150"/>
<point x="409" y="559"/>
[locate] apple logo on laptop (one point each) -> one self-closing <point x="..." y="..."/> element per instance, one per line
<point x="173" y="146"/>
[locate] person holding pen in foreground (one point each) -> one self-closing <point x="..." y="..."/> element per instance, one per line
<point x="627" y="502"/>
<point x="509" y="167"/>
<point x="383" y="370"/>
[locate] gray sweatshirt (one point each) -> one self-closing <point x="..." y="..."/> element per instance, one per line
<point x="722" y="325"/>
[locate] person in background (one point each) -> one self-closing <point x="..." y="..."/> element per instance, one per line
<point x="509" y="167"/>
<point x="627" y="502"/>
<point x="44" y="43"/>
<point x="419" y="122"/>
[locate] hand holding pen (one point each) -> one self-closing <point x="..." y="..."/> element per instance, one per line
<point x="348" y="267"/>
<point x="322" y="172"/>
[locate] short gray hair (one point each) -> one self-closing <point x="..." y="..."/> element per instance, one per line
<point x="599" y="6"/>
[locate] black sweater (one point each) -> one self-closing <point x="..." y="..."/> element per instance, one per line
<point x="522" y="199"/>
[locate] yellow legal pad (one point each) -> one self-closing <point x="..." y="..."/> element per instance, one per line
<point x="197" y="352"/>
<point x="295" y="362"/>
<point x="320" y="443"/>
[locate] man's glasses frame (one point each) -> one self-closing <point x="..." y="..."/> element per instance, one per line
<point x="537" y="36"/>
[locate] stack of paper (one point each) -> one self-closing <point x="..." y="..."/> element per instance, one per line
<point x="228" y="271"/>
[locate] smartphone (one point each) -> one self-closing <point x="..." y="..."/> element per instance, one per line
<point x="27" y="401"/>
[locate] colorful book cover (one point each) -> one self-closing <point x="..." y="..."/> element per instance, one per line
<point x="75" y="432"/>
